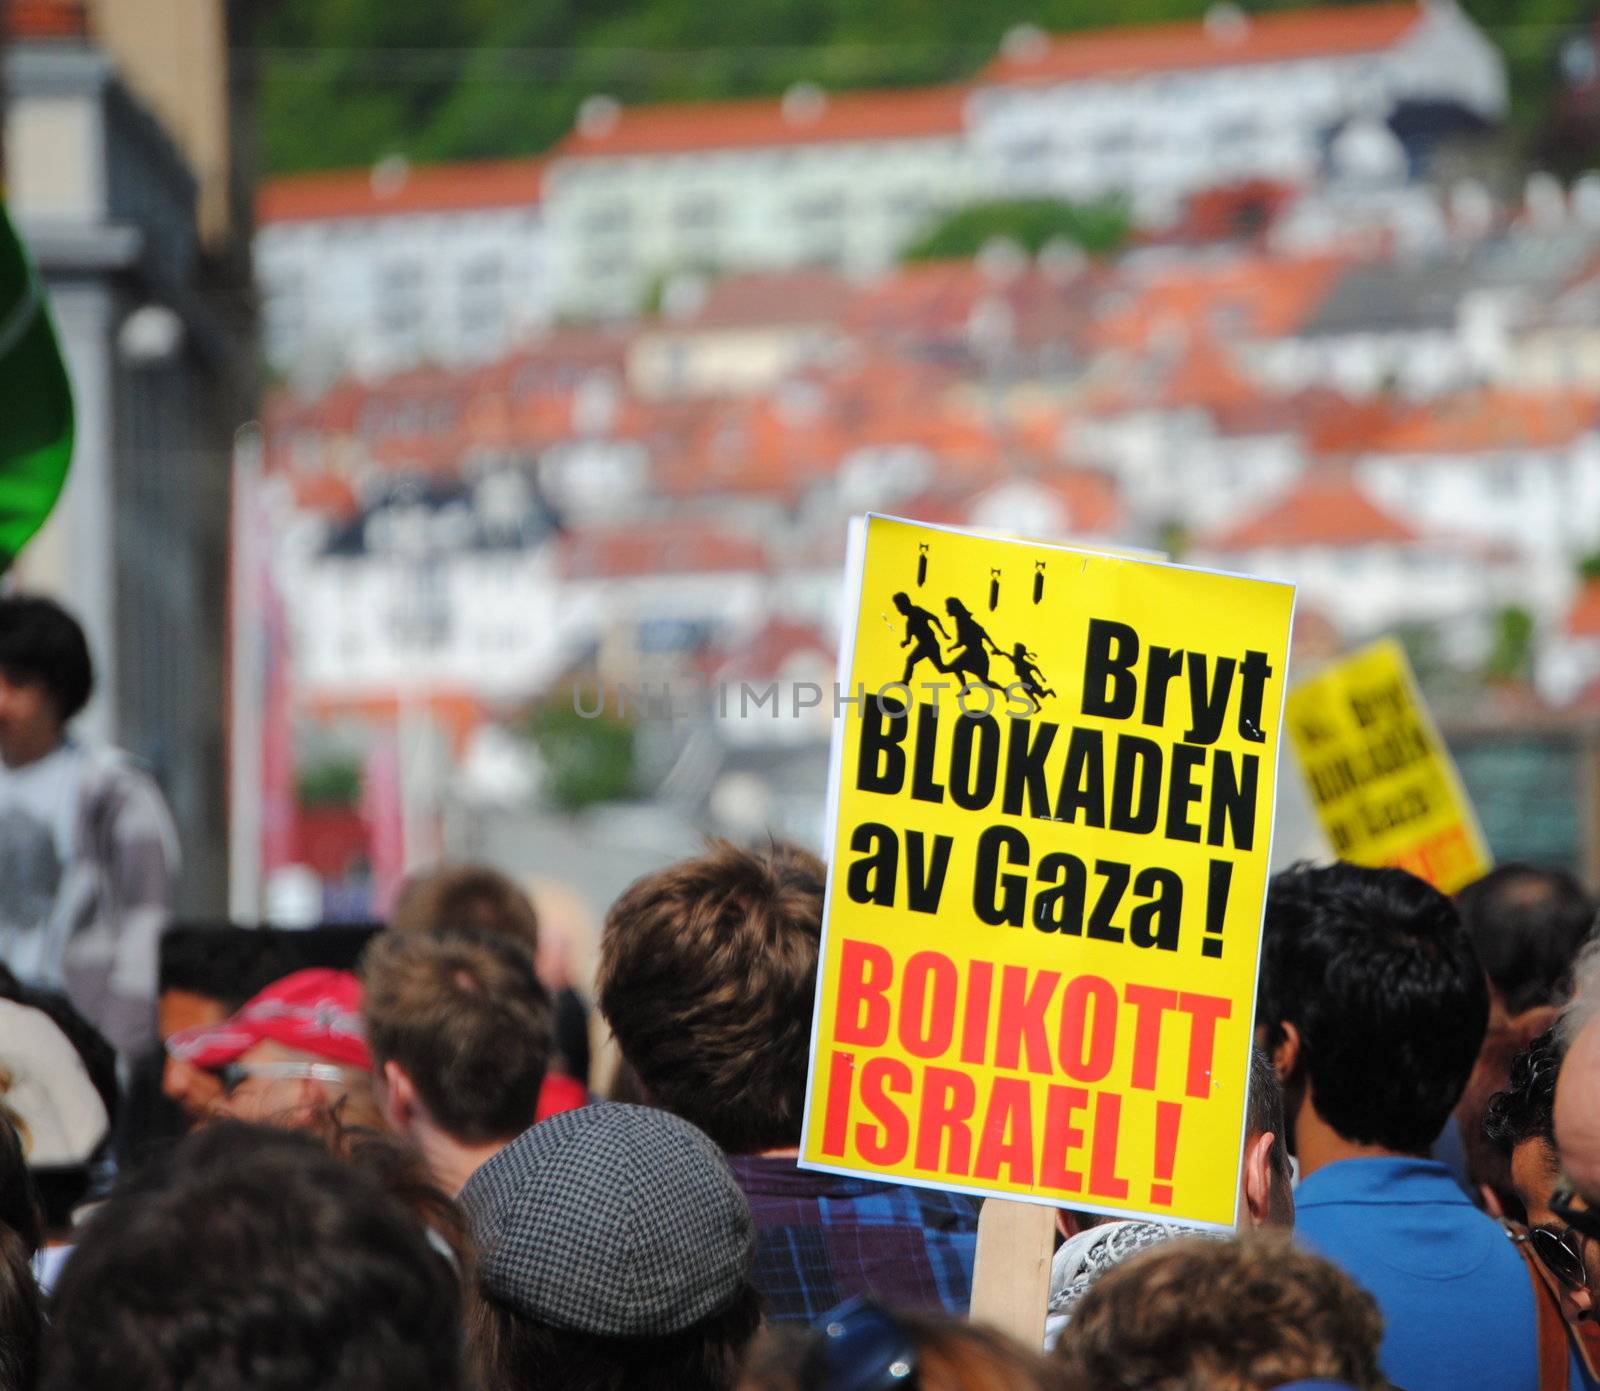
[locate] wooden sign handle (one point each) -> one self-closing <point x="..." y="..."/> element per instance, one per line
<point x="1011" y="1274"/>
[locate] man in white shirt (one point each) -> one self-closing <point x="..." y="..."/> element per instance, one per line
<point x="88" y="854"/>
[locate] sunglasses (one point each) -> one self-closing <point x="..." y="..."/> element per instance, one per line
<point x="232" y="1074"/>
<point x="1562" y="1254"/>
<point x="1583" y="1220"/>
<point x="859" y="1346"/>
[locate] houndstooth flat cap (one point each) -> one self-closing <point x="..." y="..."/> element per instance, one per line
<point x="616" y="1220"/>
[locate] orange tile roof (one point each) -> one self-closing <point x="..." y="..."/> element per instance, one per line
<point x="839" y="116"/>
<point x="43" y="19"/>
<point x="766" y="654"/>
<point x="1258" y="297"/>
<point x="1136" y="50"/>
<point x="762" y="298"/>
<point x="1491" y="419"/>
<point x="431" y="188"/>
<point x="1583" y="618"/>
<point x="662" y="548"/>
<point x="1319" y="511"/>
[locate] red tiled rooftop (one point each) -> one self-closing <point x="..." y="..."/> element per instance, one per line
<point x="1479" y="421"/>
<point x="43" y="19"/>
<point x="1136" y="50"/>
<point x="1583" y="618"/>
<point x="768" y="653"/>
<point x="1317" y="512"/>
<point x="834" y="117"/>
<point x="1248" y="297"/>
<point x="763" y="298"/>
<point x="663" y="548"/>
<point x="430" y="188"/>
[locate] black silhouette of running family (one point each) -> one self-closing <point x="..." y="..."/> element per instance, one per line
<point x="969" y="656"/>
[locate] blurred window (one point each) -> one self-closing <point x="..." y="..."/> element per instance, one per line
<point x="400" y="297"/>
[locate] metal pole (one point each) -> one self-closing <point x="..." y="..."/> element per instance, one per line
<point x="247" y="679"/>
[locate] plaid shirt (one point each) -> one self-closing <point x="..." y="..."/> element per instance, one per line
<point x="821" y="1238"/>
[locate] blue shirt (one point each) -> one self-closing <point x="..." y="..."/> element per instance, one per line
<point x="1456" y="1297"/>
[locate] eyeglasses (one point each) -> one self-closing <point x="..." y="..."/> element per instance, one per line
<point x="1562" y="1254"/>
<point x="232" y="1074"/>
<point x="1583" y="1220"/>
<point x="859" y="1346"/>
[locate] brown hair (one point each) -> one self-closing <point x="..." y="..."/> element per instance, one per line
<point x="707" y="973"/>
<point x="402" y="1173"/>
<point x="464" y="1014"/>
<point x="1271" y="1313"/>
<point x="951" y="1355"/>
<point x="472" y="896"/>
<point x="508" y="1351"/>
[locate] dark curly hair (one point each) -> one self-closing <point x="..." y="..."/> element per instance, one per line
<point x="1526" y="1109"/>
<point x="1378" y="976"/>
<point x="253" y="1260"/>
<point x="41" y="643"/>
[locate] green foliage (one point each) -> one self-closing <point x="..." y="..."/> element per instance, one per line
<point x="345" y="82"/>
<point x="586" y="760"/>
<point x="1099" y="228"/>
<point x="1172" y="537"/>
<point x="1589" y="566"/>
<point x="329" y="785"/>
<point x="1511" y="651"/>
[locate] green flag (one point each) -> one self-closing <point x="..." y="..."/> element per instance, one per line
<point x="35" y="401"/>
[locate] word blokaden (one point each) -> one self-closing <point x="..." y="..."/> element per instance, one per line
<point x="1084" y="775"/>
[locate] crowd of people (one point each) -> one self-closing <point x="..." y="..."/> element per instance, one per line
<point x="246" y="1160"/>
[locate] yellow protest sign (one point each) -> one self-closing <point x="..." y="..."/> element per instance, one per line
<point x="1051" y="814"/>
<point x="1384" y="786"/>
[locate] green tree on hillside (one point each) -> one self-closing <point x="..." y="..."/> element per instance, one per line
<point x="1098" y="228"/>
<point x="345" y="82"/>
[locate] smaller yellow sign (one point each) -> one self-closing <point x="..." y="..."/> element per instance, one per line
<point x="1380" y="777"/>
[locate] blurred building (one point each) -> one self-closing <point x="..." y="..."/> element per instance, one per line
<point x="123" y="159"/>
<point x="1159" y="112"/>
<point x="636" y="195"/>
<point x="375" y="271"/>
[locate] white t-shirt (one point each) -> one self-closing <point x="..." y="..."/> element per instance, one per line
<point x="38" y="833"/>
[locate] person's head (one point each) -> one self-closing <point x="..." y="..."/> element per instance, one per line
<point x="205" y="973"/>
<point x="1371" y="1002"/>
<point x="1266" y="1194"/>
<point x="902" y="601"/>
<point x="20" y="1320"/>
<point x="707" y="973"/>
<point x="860" y="1342"/>
<point x="459" y="1028"/>
<point x="45" y="676"/>
<point x="471" y="896"/>
<point x="1520" y="1123"/>
<point x="20" y="1212"/>
<point x="60" y="1110"/>
<point x="21" y="1234"/>
<point x="252" y="1260"/>
<point x="1527" y="925"/>
<point x="1577" y="1114"/>
<point x="955" y="608"/>
<point x="403" y="1174"/>
<point x="1243" y="1314"/>
<point x="615" y="1250"/>
<point x="294" y="1050"/>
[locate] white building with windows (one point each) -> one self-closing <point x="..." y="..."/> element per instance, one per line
<point x="637" y="194"/>
<point x="375" y="271"/>
<point x="1161" y="111"/>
